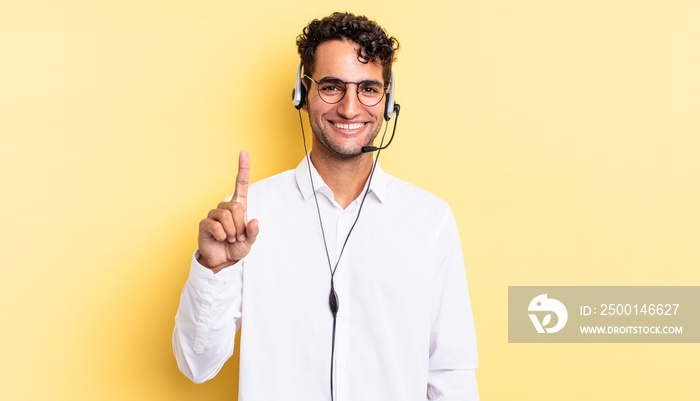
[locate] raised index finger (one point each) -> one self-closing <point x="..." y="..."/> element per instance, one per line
<point x="242" y="178"/>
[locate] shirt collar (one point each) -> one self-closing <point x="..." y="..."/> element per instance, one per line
<point x="377" y="187"/>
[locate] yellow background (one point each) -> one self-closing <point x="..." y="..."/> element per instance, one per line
<point x="565" y="135"/>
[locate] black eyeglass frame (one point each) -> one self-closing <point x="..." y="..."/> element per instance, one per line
<point x="357" y="84"/>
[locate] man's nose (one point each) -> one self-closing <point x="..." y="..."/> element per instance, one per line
<point x="350" y="105"/>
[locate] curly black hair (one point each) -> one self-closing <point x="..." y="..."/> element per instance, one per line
<point x="375" y="43"/>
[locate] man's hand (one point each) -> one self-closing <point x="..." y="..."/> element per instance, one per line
<point x="226" y="235"/>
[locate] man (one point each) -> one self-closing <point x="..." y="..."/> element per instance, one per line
<point x="268" y="258"/>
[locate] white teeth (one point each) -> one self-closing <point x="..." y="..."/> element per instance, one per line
<point x="349" y="126"/>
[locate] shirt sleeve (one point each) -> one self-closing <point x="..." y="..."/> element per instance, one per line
<point x="453" y="353"/>
<point x="207" y="320"/>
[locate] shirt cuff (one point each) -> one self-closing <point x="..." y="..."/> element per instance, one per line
<point x="202" y="277"/>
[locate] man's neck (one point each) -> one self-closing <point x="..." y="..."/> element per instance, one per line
<point x="345" y="177"/>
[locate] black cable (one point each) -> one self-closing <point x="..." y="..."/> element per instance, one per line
<point x="332" y="355"/>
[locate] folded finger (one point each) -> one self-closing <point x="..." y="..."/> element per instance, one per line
<point x="213" y="228"/>
<point x="225" y="218"/>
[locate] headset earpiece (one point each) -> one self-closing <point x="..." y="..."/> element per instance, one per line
<point x="389" y="106"/>
<point x="299" y="92"/>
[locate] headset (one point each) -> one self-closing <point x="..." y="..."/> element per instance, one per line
<point x="299" y="95"/>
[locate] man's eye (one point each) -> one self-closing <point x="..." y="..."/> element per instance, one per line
<point x="331" y="88"/>
<point x="372" y="90"/>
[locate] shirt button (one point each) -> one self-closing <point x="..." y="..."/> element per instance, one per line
<point x="205" y="320"/>
<point x="212" y="282"/>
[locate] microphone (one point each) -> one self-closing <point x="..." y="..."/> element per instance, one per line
<point x="369" y="149"/>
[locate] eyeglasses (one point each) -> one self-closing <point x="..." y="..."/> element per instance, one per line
<point x="332" y="90"/>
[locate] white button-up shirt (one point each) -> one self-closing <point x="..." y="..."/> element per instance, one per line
<point x="404" y="327"/>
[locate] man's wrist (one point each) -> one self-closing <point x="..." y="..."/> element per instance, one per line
<point x="215" y="268"/>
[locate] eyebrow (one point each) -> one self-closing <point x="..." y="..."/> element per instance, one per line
<point x="366" y="81"/>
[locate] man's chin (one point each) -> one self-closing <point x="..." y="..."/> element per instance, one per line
<point x="337" y="151"/>
<point x="345" y="154"/>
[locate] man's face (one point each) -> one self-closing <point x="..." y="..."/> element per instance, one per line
<point x="342" y="129"/>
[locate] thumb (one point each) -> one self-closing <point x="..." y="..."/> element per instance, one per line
<point x="252" y="229"/>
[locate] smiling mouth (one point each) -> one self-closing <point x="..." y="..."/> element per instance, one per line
<point x="349" y="126"/>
